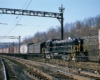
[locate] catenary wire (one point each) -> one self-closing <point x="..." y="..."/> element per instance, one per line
<point x="19" y="18"/>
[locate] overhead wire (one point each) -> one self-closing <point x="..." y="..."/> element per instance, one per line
<point x="6" y="24"/>
<point x="20" y="17"/>
<point x="15" y="20"/>
<point x="10" y="27"/>
<point x="9" y="30"/>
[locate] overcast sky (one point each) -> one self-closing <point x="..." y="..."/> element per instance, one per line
<point x="74" y="10"/>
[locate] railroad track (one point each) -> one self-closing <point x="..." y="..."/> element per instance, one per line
<point x="1" y="71"/>
<point x="93" y="67"/>
<point x="36" y="72"/>
<point x="45" y="71"/>
<point x="65" y="71"/>
<point x="70" y="72"/>
<point x="5" y="71"/>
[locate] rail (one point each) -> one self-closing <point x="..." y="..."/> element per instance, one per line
<point x="5" y="72"/>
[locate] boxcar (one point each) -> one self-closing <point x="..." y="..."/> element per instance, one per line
<point x="36" y="47"/>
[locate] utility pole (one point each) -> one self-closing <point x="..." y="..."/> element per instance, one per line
<point x="61" y="9"/>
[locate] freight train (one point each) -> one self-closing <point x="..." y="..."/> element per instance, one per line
<point x="68" y="49"/>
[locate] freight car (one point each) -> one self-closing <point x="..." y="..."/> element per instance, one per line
<point x="10" y="49"/>
<point x="69" y="49"/>
<point x="32" y="48"/>
<point x="4" y="50"/>
<point x="23" y="49"/>
<point x="36" y="47"/>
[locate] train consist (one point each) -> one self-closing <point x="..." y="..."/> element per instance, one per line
<point x="24" y="48"/>
<point x="69" y="49"/>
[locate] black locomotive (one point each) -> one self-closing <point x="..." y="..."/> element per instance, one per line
<point x="69" y="49"/>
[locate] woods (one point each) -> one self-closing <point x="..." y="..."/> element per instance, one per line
<point x="87" y="27"/>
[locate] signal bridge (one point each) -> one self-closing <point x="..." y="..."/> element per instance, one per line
<point x="9" y="37"/>
<point x="59" y="16"/>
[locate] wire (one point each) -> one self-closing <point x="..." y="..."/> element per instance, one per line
<point x="29" y="4"/>
<point x="8" y="32"/>
<point x="10" y="27"/>
<point x="20" y="17"/>
<point x="23" y="7"/>
<point x="21" y="24"/>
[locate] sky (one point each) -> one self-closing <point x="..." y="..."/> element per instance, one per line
<point x="74" y="10"/>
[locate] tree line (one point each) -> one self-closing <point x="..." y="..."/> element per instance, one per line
<point x="87" y="27"/>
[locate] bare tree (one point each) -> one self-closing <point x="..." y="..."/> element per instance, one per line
<point x="87" y="27"/>
<point x="51" y="33"/>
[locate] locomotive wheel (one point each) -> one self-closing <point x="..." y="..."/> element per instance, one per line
<point x="48" y="56"/>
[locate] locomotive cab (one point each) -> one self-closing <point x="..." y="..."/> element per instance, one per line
<point x="80" y="54"/>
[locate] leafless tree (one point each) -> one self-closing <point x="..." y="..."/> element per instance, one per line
<point x="87" y="27"/>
